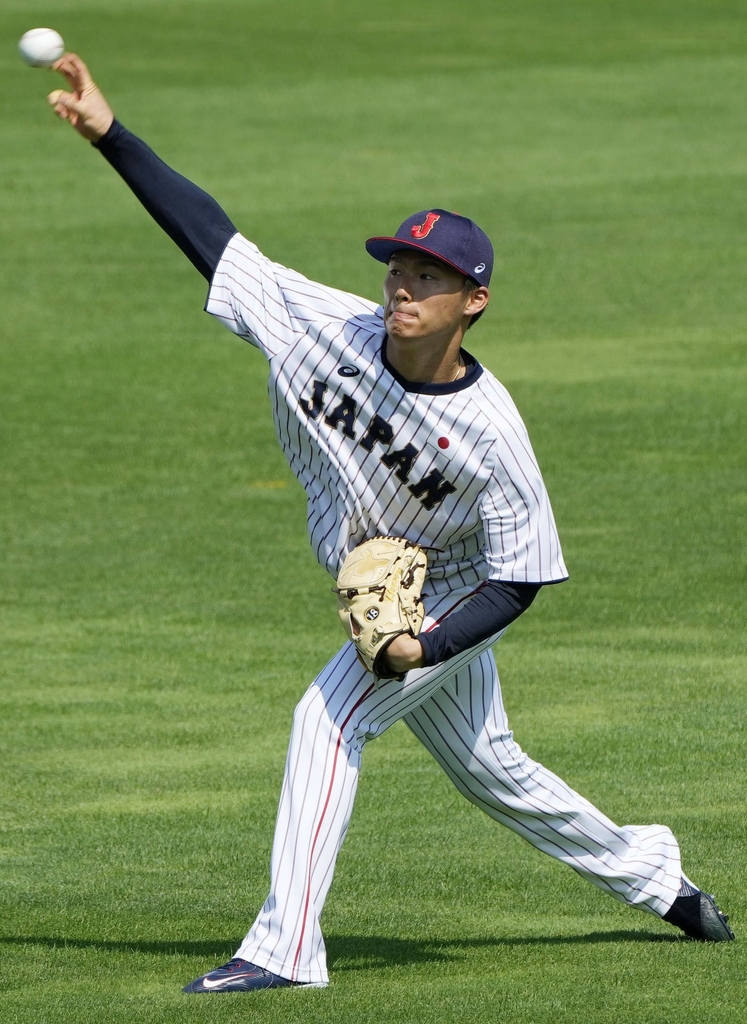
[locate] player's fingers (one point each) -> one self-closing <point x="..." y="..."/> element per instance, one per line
<point x="61" y="100"/>
<point x="80" y="71"/>
<point x="56" y="95"/>
<point x="65" y="66"/>
<point x="75" y="71"/>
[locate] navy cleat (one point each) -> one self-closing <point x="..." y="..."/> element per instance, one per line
<point x="238" y="976"/>
<point x="699" y="917"/>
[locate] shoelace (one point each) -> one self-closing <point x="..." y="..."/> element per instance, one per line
<point x="232" y="966"/>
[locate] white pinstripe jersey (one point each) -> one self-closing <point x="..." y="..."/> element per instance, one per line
<point x="449" y="467"/>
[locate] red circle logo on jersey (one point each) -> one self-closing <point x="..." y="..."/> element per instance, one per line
<point x="443" y="442"/>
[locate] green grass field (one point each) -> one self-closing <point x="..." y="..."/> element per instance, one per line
<point x="153" y="645"/>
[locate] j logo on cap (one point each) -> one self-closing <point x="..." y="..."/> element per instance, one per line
<point x="456" y="241"/>
<point x="424" y="229"/>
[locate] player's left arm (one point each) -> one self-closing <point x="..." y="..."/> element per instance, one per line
<point x="529" y="551"/>
<point x="492" y="609"/>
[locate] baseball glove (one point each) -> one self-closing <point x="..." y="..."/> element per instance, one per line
<point x="378" y="591"/>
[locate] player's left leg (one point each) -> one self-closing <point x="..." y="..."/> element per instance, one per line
<point x="463" y="724"/>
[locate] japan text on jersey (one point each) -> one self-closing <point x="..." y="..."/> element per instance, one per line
<point x="450" y="468"/>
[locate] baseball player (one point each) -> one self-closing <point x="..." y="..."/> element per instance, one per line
<point x="394" y="429"/>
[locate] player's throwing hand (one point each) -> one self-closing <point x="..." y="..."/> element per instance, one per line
<point x="85" y="107"/>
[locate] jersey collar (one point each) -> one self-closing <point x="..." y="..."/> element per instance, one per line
<point x="473" y="371"/>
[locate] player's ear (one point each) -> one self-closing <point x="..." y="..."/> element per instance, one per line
<point x="477" y="301"/>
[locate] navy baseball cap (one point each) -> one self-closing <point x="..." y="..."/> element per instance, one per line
<point x="449" y="237"/>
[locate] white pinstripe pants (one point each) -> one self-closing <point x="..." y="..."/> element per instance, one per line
<point x="456" y="710"/>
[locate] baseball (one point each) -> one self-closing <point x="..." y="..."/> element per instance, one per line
<point x="41" y="47"/>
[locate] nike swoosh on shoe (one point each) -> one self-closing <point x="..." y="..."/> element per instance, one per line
<point x="238" y="976"/>
<point x="213" y="983"/>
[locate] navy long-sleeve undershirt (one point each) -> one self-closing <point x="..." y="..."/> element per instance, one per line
<point x="192" y="218"/>
<point x="493" y="608"/>
<point x="202" y="229"/>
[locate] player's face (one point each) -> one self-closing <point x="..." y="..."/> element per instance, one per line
<point x="423" y="296"/>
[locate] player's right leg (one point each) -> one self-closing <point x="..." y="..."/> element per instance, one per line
<point x="342" y="709"/>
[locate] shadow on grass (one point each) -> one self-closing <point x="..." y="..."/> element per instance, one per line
<point x="350" y="952"/>
<point x="368" y="952"/>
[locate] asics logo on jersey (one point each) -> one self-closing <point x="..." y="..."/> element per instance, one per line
<point x="430" y="490"/>
<point x="348" y="371"/>
<point x="424" y="229"/>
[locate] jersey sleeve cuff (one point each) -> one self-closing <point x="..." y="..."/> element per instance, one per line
<point x="114" y="132"/>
